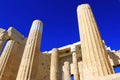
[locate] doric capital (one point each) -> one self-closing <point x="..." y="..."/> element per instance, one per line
<point x="54" y="49"/>
<point x="73" y="48"/>
<point x="83" y="7"/>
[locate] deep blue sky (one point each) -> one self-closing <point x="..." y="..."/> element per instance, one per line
<point x="60" y="19"/>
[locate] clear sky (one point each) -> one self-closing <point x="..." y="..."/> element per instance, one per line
<point x="60" y="19"/>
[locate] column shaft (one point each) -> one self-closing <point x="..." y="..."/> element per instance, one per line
<point x="30" y="60"/>
<point x="94" y="57"/>
<point x="6" y="57"/>
<point x="54" y="69"/>
<point x="75" y="63"/>
<point x="80" y="70"/>
<point x="8" y="68"/>
<point x="66" y="71"/>
<point x="75" y="66"/>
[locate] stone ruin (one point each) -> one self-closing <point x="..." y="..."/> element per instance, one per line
<point x="89" y="59"/>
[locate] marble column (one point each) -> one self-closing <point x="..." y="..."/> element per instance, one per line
<point x="54" y="69"/>
<point x="95" y="61"/>
<point x="5" y="57"/>
<point x="75" y="63"/>
<point x="80" y="70"/>
<point x="6" y="61"/>
<point x="66" y="71"/>
<point x="30" y="60"/>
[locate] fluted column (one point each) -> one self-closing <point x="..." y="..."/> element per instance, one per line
<point x="5" y="57"/>
<point x="54" y="69"/>
<point x="80" y="70"/>
<point x="66" y="71"/>
<point x="94" y="55"/>
<point x="75" y="63"/>
<point x="6" y="60"/>
<point x="30" y="60"/>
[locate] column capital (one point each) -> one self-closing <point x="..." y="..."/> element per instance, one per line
<point x="54" y="68"/>
<point x="73" y="48"/>
<point x="54" y="49"/>
<point x="66" y="63"/>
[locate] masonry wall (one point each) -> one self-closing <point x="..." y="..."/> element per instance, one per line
<point x="44" y="66"/>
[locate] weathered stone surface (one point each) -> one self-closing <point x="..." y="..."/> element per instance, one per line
<point x="2" y="42"/>
<point x="114" y="58"/>
<point x="94" y="54"/>
<point x="62" y="60"/>
<point x="30" y="60"/>
<point x="66" y="71"/>
<point x="108" y="77"/>
<point x="44" y="66"/>
<point x="85" y="60"/>
<point x="3" y="38"/>
<point x="75" y="63"/>
<point x="15" y="35"/>
<point x="80" y="64"/>
<point x="54" y="68"/>
<point x="10" y="60"/>
<point x="3" y="34"/>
